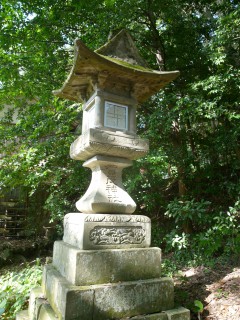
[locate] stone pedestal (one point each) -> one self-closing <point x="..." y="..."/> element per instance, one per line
<point x="104" y="269"/>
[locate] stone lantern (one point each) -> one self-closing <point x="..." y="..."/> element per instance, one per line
<point x="111" y="82"/>
<point x="105" y="268"/>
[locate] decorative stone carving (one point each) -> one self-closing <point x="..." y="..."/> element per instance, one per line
<point x="116" y="218"/>
<point x="118" y="235"/>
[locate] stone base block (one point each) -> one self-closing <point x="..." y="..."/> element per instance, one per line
<point x="107" y="231"/>
<point x="109" y="301"/>
<point x="174" y="314"/>
<point x="22" y="315"/>
<point x="88" y="267"/>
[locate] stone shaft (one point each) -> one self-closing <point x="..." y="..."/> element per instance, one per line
<point x="106" y="193"/>
<point x="106" y="231"/>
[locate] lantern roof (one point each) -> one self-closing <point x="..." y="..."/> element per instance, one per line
<point x="116" y="67"/>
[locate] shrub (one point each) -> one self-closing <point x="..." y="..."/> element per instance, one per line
<point x="15" y="287"/>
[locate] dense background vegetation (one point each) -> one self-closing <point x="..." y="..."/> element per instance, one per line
<point x="189" y="182"/>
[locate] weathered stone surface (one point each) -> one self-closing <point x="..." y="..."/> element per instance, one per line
<point x="22" y="315"/>
<point x="133" y="298"/>
<point x="35" y="301"/>
<point x="103" y="142"/>
<point x="88" y="267"/>
<point x="174" y="314"/>
<point x="106" y="193"/>
<point x="47" y="313"/>
<point x="68" y="302"/>
<point x="106" y="231"/>
<point x="109" y="301"/>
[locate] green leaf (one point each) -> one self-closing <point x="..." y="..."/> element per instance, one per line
<point x="199" y="306"/>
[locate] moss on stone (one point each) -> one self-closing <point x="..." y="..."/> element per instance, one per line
<point x="127" y="64"/>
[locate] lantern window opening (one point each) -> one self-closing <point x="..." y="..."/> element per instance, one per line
<point x="115" y="116"/>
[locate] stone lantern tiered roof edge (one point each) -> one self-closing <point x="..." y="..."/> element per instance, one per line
<point x="92" y="70"/>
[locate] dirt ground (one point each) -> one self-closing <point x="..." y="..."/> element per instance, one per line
<point x="217" y="288"/>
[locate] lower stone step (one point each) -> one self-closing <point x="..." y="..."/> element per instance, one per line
<point x="47" y="313"/>
<point x="174" y="314"/>
<point x="107" y="301"/>
<point x="40" y="309"/>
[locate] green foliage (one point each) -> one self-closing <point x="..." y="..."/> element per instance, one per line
<point x="169" y="267"/>
<point x="15" y="287"/>
<point x="144" y="181"/>
<point x="219" y="234"/>
<point x="192" y="170"/>
<point x="183" y="210"/>
<point x="224" y="233"/>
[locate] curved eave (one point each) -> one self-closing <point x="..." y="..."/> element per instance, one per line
<point x="89" y="67"/>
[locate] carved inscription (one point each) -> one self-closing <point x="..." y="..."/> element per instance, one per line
<point x="117" y="235"/>
<point x="111" y="187"/>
